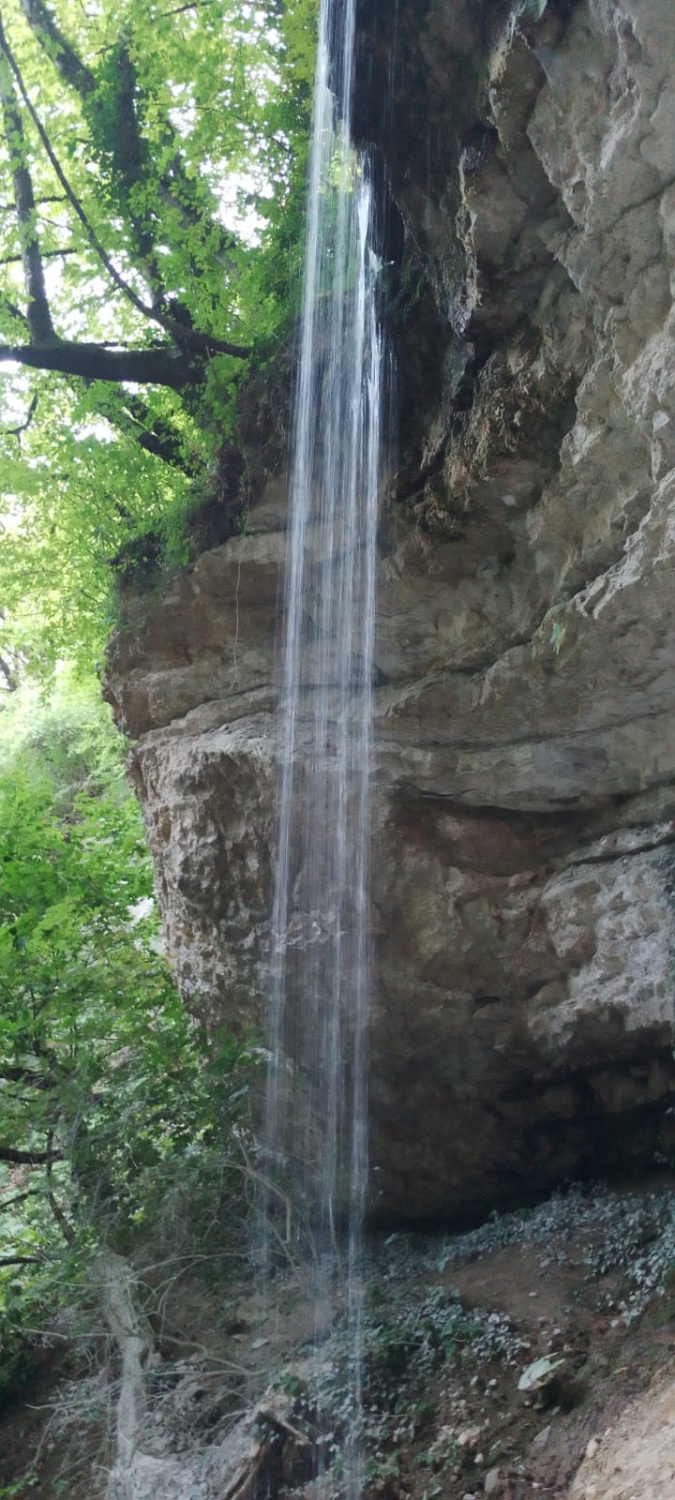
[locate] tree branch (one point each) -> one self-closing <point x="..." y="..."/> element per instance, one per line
<point x="16" y="312"/>
<point x="126" y="152"/>
<point x="16" y="432"/>
<point x="10" y="208"/>
<point x="28" y="1158"/>
<point x="10" y="260"/>
<point x="72" y="197"/>
<point x="66" y="1228"/>
<point x="39" y="316"/>
<point x="64" y="57"/>
<point x="160" y="366"/>
<point x="129" y="413"/>
<point x="190" y="5"/>
<point x="6" y="1205"/>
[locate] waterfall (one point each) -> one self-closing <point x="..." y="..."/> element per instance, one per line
<point x="316" y="1127"/>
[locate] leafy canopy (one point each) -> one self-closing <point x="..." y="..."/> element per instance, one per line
<point x="151" y="197"/>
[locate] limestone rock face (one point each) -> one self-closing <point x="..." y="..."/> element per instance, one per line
<point x="523" y="867"/>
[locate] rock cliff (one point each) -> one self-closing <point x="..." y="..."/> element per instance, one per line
<point x="525" y="784"/>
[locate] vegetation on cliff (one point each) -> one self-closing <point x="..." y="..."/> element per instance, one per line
<point x="118" y="1113"/>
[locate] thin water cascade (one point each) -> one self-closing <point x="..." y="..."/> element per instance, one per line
<point x="316" y="1128"/>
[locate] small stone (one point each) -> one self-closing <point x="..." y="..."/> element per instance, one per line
<point x="538" y="1374"/>
<point x="539" y="1442"/>
<point x="492" y="1481"/>
<point x="592" y="1447"/>
<point x="468" y="1437"/>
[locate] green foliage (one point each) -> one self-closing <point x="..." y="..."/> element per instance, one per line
<point x="88" y="490"/>
<point x="412" y="1340"/>
<point x="181" y="132"/>
<point x="12" y="1491"/>
<point x="412" y="1328"/>
<point x="123" y="1112"/>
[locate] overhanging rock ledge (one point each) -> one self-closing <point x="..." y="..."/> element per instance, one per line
<point x="524" y="856"/>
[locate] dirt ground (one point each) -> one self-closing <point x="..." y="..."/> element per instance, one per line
<point x="603" y="1426"/>
<point x="44" y="1450"/>
<point x="535" y="1444"/>
<point x="586" y="1283"/>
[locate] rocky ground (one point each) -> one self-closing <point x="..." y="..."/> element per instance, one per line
<point x="532" y="1356"/>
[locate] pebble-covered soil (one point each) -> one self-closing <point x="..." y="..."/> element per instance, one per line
<point x="532" y="1356"/>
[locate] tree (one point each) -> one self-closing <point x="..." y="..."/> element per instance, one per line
<point x="151" y="187"/>
<point x="116" y="1110"/>
<point x="145" y="114"/>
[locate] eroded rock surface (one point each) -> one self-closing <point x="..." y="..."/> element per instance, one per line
<point x="524" y="795"/>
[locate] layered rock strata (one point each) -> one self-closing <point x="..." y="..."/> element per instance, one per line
<point x="524" y="795"/>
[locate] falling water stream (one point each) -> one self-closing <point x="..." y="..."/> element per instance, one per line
<point x="316" y="1129"/>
